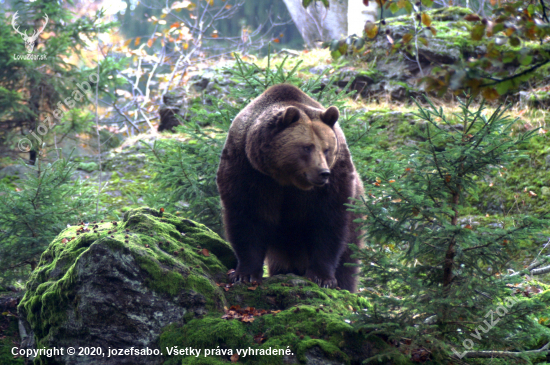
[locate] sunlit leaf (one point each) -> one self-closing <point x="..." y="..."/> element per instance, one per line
<point x="335" y="54"/>
<point x="407" y="38"/>
<point x="371" y="29"/>
<point x="426" y="20"/>
<point x="423" y="40"/>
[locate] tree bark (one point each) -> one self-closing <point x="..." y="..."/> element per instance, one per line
<point x="343" y="18"/>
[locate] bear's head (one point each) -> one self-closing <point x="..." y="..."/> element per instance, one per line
<point x="301" y="147"/>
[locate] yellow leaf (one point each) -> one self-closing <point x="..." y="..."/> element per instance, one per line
<point x="426" y="20"/>
<point x="371" y="29"/>
<point x="136" y="43"/>
<point x="407" y="38"/>
<point x="151" y="41"/>
<point x="127" y="43"/>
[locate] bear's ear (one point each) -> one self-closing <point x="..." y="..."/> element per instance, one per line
<point x="290" y="115"/>
<point x="330" y="116"/>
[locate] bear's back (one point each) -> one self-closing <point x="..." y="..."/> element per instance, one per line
<point x="275" y="97"/>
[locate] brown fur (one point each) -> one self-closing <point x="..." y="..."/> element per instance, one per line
<point x="284" y="177"/>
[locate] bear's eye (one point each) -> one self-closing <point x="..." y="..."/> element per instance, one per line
<point x="326" y="152"/>
<point x="307" y="149"/>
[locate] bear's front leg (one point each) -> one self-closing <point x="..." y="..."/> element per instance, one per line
<point x="247" y="237"/>
<point x="326" y="247"/>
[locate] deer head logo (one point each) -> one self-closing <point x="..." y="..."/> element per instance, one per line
<point x="29" y="40"/>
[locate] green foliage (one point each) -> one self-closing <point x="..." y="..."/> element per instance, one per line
<point x="32" y="90"/>
<point x="185" y="173"/>
<point x="35" y="212"/>
<point x="431" y="273"/>
<point x="515" y="34"/>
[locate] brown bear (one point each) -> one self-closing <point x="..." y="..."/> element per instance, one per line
<point x="284" y="176"/>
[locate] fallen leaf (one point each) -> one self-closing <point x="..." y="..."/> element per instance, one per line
<point x="205" y="252"/>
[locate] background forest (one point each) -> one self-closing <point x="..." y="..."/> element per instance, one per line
<point x="113" y="116"/>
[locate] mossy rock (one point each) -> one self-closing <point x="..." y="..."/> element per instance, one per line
<point x="308" y="325"/>
<point x="119" y="286"/>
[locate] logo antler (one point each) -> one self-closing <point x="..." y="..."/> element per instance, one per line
<point x="29" y="40"/>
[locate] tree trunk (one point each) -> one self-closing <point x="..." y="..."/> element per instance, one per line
<point x="318" y="24"/>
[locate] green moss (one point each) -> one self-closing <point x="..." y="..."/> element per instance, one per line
<point x="88" y="166"/>
<point x="284" y="291"/>
<point x="309" y="317"/>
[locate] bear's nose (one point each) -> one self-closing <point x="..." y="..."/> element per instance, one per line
<point x="324" y="174"/>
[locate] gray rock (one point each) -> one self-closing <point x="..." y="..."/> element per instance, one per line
<point x="19" y="171"/>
